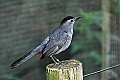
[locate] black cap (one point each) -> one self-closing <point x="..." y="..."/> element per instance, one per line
<point x="66" y="18"/>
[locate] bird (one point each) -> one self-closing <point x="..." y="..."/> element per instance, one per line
<point x="58" y="41"/>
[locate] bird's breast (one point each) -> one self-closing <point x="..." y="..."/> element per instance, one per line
<point x="70" y="34"/>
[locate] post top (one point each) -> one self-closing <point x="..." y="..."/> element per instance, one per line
<point x="66" y="64"/>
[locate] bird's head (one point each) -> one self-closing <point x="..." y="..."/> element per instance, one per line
<point x="69" y="20"/>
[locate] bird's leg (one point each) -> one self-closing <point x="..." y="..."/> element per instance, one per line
<point x="59" y="63"/>
<point x="54" y="59"/>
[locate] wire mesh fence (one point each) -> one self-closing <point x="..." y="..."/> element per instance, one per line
<point x="25" y="23"/>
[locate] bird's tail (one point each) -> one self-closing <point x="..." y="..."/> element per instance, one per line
<point x="23" y="59"/>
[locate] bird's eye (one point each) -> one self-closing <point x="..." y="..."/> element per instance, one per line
<point x="71" y="20"/>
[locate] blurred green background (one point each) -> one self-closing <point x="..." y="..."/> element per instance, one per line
<point x="25" y="23"/>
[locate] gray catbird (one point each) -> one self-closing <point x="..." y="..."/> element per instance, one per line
<point x="55" y="43"/>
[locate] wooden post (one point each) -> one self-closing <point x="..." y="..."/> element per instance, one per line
<point x="67" y="70"/>
<point x="105" y="37"/>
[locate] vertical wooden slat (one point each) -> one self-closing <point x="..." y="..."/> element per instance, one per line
<point x="105" y="35"/>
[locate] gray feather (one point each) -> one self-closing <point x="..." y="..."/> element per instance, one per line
<point x="22" y="59"/>
<point x="59" y="39"/>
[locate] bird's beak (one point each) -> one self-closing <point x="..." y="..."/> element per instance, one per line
<point x="76" y="18"/>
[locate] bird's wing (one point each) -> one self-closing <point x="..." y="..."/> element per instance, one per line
<point x="64" y="43"/>
<point x="56" y="42"/>
<point x="42" y="45"/>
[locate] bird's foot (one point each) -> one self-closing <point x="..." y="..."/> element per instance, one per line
<point x="57" y="61"/>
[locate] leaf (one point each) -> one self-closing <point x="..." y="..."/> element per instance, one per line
<point x="76" y="46"/>
<point x="95" y="55"/>
<point x="97" y="35"/>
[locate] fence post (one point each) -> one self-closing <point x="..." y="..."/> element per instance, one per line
<point x="68" y="70"/>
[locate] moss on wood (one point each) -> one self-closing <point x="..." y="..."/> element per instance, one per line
<point x="67" y="70"/>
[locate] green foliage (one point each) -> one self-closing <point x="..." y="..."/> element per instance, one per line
<point x="89" y="42"/>
<point x="117" y="9"/>
<point x="96" y="57"/>
<point x="90" y="31"/>
<point x="88" y="36"/>
<point x="88" y="19"/>
<point x="90" y="39"/>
